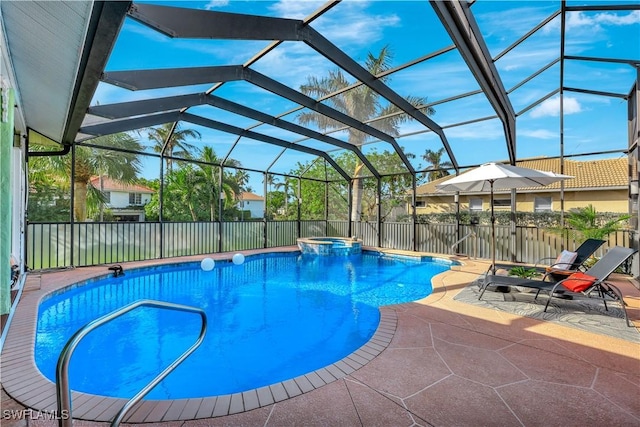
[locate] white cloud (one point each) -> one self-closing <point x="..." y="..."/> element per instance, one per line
<point x="486" y="130"/>
<point x="364" y="28"/>
<point x="292" y="62"/>
<point x="137" y="29"/>
<point x="538" y="134"/>
<point x="227" y="51"/>
<point x="580" y="20"/>
<point x="295" y="9"/>
<point x="594" y="23"/>
<point x="528" y="58"/>
<point x="517" y="21"/>
<point x="215" y="4"/>
<point x="615" y="19"/>
<point x="551" y="107"/>
<point x="571" y="105"/>
<point x="429" y="80"/>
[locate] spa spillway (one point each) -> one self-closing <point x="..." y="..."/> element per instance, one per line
<point x="330" y="246"/>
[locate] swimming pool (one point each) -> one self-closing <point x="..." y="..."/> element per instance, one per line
<point x="270" y="319"/>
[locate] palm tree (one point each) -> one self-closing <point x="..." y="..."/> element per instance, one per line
<point x="185" y="185"/>
<point x="212" y="178"/>
<point x="583" y="224"/>
<point x="286" y="187"/>
<point x="242" y="179"/>
<point x="122" y="166"/>
<point x="273" y="181"/>
<point x="434" y="159"/>
<point x="361" y="103"/>
<point x="177" y="144"/>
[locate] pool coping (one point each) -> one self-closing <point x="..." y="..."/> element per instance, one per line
<point x="24" y="382"/>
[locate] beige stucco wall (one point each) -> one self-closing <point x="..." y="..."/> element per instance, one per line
<point x="602" y="201"/>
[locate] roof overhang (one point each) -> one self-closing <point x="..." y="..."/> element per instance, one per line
<point x="72" y="42"/>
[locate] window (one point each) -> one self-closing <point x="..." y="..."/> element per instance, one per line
<point x="135" y="198"/>
<point x="502" y="203"/>
<point x="542" y="204"/>
<point x="420" y="204"/>
<point x="475" y="205"/>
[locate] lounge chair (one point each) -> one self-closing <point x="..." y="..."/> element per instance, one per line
<point x="562" y="266"/>
<point x="593" y="280"/>
<point x="583" y="252"/>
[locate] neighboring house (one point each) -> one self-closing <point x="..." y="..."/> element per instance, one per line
<point x="601" y="183"/>
<point x="125" y="201"/>
<point x="252" y="203"/>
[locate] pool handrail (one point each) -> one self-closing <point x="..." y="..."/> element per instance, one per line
<point x="63" y="391"/>
<point x="471" y="233"/>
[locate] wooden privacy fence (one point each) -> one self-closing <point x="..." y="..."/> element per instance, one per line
<point x="55" y="245"/>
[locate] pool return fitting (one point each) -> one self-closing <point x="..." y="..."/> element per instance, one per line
<point x="63" y="391"/>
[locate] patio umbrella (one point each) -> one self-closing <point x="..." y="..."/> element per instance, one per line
<point x="493" y="176"/>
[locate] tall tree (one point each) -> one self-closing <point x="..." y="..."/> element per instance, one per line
<point x="286" y="186"/>
<point x="121" y="166"/>
<point x="211" y="175"/>
<point x="242" y="179"/>
<point x="272" y="179"/>
<point x="394" y="187"/>
<point x="393" y="192"/>
<point x="275" y="198"/>
<point x="434" y="160"/>
<point x="177" y="144"/>
<point x="186" y="185"/>
<point x="361" y="103"/>
<point x="192" y="190"/>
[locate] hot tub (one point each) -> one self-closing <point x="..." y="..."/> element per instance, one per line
<point x="330" y="246"/>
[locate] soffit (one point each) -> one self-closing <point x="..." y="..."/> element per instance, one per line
<point x="45" y="41"/>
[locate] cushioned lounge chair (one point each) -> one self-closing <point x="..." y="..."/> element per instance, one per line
<point x="593" y="280"/>
<point x="560" y="268"/>
<point x="583" y="252"/>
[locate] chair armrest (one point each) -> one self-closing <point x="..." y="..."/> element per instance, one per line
<point x="542" y="259"/>
<point x="558" y="264"/>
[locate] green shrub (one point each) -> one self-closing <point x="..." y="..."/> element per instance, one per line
<point x="525" y="273"/>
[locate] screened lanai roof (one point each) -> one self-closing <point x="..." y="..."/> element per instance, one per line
<point x="491" y="73"/>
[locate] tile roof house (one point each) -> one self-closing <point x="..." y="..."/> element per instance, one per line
<point x="252" y="203"/>
<point x="601" y="183"/>
<point x="125" y="201"/>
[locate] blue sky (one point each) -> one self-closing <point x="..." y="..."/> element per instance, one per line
<point x="411" y="29"/>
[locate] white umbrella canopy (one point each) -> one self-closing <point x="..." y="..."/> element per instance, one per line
<point x="499" y="176"/>
<point x="492" y="176"/>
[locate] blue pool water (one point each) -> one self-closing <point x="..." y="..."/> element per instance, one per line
<point x="272" y="318"/>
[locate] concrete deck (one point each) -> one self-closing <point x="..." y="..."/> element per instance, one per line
<point x="447" y="363"/>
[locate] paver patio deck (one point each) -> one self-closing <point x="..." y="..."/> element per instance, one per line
<point x="447" y="364"/>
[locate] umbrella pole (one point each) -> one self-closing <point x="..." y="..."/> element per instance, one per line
<point x="493" y="232"/>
